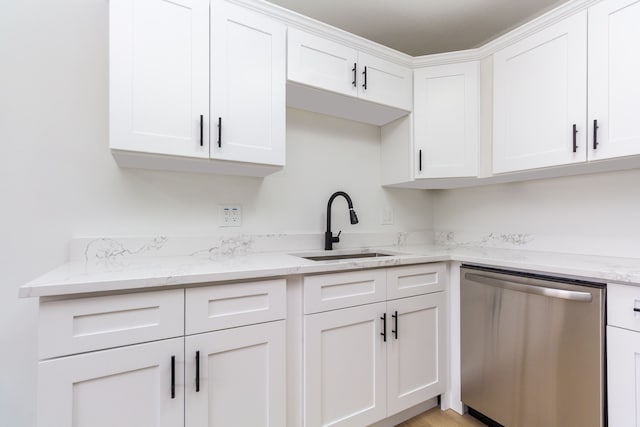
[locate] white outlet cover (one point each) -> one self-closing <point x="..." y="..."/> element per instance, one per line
<point x="230" y="215"/>
<point x="386" y="216"/>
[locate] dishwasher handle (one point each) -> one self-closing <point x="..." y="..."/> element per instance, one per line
<point x="514" y="285"/>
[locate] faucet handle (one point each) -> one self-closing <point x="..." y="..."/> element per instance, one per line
<point x="336" y="239"/>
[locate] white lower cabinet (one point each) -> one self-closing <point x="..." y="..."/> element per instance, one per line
<point x="135" y="386"/>
<point x="237" y="377"/>
<point x="623" y="355"/>
<point x="416" y="357"/>
<point x="623" y="372"/>
<point x="223" y="378"/>
<point x="368" y="362"/>
<point x="231" y="370"/>
<point x="345" y="367"/>
<point x="216" y="355"/>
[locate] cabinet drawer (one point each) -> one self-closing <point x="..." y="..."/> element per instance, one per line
<point x="86" y="324"/>
<point x="217" y="307"/>
<point x="621" y="302"/>
<point x="416" y="280"/>
<point x="332" y="291"/>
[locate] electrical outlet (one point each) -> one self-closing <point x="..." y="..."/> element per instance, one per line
<point x="386" y="216"/>
<point x="230" y="215"/>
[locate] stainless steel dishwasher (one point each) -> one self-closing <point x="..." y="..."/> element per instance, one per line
<point x="532" y="349"/>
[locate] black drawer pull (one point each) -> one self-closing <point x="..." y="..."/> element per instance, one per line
<point x="384" y="327"/>
<point x="354" y="74"/>
<point x="197" y="371"/>
<point x="636" y="309"/>
<point x="595" y="134"/>
<point x="173" y="377"/>
<point x="395" y="325"/>
<point x="365" y="78"/>
<point x="201" y="130"/>
<point x="219" y="132"/>
<point x="575" y="140"/>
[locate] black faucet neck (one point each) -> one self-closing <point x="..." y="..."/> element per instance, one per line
<point x="329" y="240"/>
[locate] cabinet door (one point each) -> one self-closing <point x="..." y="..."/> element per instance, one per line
<point x="124" y="387"/>
<point x="344" y="367"/>
<point x="159" y="76"/>
<point x="321" y="63"/>
<point x="242" y="377"/>
<point x="247" y="85"/>
<point x="416" y="353"/>
<point x="384" y="82"/>
<point x="539" y="94"/>
<point x="446" y="131"/>
<point x="623" y="377"/>
<point x="614" y="88"/>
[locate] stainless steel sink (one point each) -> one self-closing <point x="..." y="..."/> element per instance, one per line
<point x="340" y="256"/>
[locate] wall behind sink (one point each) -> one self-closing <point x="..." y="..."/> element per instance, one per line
<point x="590" y="214"/>
<point x="58" y="179"/>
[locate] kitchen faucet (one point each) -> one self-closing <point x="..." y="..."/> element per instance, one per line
<point x="329" y="240"/>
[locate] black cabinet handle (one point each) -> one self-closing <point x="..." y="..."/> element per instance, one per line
<point x="575" y="140"/>
<point x="636" y="309"/>
<point x="354" y="74"/>
<point x="364" y="85"/>
<point x="197" y="371"/>
<point x="219" y="132"/>
<point x="173" y="377"/>
<point x="395" y="325"/>
<point x="420" y="160"/>
<point x="384" y="327"/>
<point x="201" y="130"/>
<point x="595" y="134"/>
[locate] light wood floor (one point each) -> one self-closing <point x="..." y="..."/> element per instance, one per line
<point x="437" y="418"/>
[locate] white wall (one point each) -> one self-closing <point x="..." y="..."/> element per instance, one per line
<point x="58" y="179"/>
<point x="591" y="214"/>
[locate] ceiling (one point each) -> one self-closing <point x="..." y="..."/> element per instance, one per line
<point x="423" y="27"/>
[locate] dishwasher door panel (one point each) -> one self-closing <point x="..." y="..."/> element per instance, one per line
<point x="528" y="359"/>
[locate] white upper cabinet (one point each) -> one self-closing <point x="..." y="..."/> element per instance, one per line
<point x="332" y="78"/>
<point x="614" y="87"/>
<point x="247" y="85"/>
<point x="384" y="82"/>
<point x="539" y="96"/>
<point x="159" y="76"/>
<point x="197" y="88"/>
<point x="321" y="63"/>
<point x="446" y="120"/>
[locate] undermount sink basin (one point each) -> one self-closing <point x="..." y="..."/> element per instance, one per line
<point x="339" y="256"/>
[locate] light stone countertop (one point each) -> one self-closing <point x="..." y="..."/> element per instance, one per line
<point x="120" y="274"/>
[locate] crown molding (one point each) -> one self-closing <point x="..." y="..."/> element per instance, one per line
<point x="448" y="58"/>
<point x="523" y="31"/>
<point x="543" y="21"/>
<point x="313" y="26"/>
